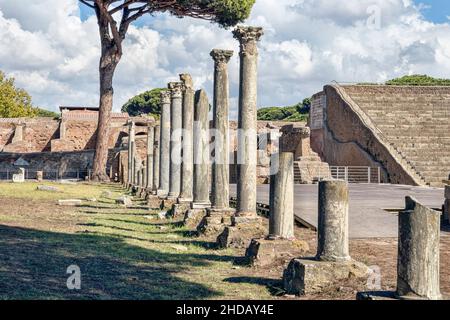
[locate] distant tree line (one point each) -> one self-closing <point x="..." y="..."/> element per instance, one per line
<point x="16" y="102"/>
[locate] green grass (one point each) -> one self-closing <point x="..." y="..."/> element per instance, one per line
<point x="123" y="253"/>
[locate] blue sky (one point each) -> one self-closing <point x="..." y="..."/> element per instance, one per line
<point x="437" y="10"/>
<point x="307" y="43"/>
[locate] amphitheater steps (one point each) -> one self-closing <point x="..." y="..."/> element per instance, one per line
<point x="415" y="121"/>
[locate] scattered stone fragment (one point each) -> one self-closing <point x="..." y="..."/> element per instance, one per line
<point x="149" y="217"/>
<point x="125" y="201"/>
<point x="47" y="188"/>
<point x="179" y="247"/>
<point x="70" y="202"/>
<point x="162" y="215"/>
<point x="172" y="236"/>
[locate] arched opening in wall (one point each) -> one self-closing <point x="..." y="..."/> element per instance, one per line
<point x="120" y="139"/>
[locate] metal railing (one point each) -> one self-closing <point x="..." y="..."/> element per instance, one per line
<point x="47" y="174"/>
<point x="356" y="174"/>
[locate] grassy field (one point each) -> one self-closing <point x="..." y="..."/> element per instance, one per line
<point x="122" y="253"/>
<point x="128" y="253"/>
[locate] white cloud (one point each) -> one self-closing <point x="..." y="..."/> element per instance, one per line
<point x="307" y="43"/>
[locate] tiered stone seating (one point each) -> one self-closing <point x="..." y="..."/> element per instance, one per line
<point x="415" y="121"/>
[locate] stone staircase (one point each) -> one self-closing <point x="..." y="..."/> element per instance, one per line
<point x="414" y="121"/>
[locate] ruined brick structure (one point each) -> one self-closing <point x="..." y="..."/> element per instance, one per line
<point x="403" y="130"/>
<point x="67" y="142"/>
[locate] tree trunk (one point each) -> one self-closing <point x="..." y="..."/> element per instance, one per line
<point x="108" y="63"/>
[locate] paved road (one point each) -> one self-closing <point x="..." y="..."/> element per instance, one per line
<point x="367" y="215"/>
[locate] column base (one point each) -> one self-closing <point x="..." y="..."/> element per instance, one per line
<point x="309" y="276"/>
<point x="240" y="235"/>
<point x="200" y="205"/>
<point x="179" y="209"/>
<point x="193" y="217"/>
<point x="162" y="194"/>
<point x="266" y="252"/>
<point x="154" y="202"/>
<point x="246" y="219"/>
<point x="168" y="202"/>
<point x="181" y="200"/>
<point x="215" y="221"/>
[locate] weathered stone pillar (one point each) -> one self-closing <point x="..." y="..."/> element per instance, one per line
<point x="176" y="125"/>
<point x="187" y="172"/>
<point x="150" y="157"/>
<point x="281" y="221"/>
<point x="164" y="146"/>
<point x="220" y="212"/>
<point x="332" y="242"/>
<point x="201" y="151"/>
<point x="220" y="170"/>
<point x="418" y="252"/>
<point x="136" y="169"/>
<point x="332" y="262"/>
<point x="156" y="155"/>
<point x="247" y="139"/>
<point x="281" y="241"/>
<point x="131" y="141"/>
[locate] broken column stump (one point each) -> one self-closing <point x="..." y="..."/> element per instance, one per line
<point x="418" y="255"/>
<point x="281" y="243"/>
<point x="332" y="262"/>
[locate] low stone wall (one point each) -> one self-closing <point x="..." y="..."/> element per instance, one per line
<point x="66" y="164"/>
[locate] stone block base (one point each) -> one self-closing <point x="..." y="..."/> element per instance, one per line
<point x="179" y="209"/>
<point x="263" y="252"/>
<point x="168" y="203"/>
<point x="193" y="217"/>
<point x="154" y="202"/>
<point x="309" y="276"/>
<point x="240" y="235"/>
<point x="215" y="221"/>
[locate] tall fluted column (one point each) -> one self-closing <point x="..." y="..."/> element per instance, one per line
<point x="164" y="148"/>
<point x="150" y="156"/>
<point x="131" y="141"/>
<point x="201" y="151"/>
<point x="156" y="153"/>
<point x="176" y="125"/>
<point x="220" y="170"/>
<point x="247" y="133"/>
<point x="187" y="168"/>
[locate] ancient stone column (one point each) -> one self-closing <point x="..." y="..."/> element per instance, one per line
<point x="418" y="252"/>
<point x="187" y="167"/>
<point x="136" y="169"/>
<point x="164" y="147"/>
<point x="201" y="151"/>
<point x="220" y="170"/>
<point x="149" y="164"/>
<point x="247" y="134"/>
<point x="131" y="141"/>
<point x="333" y="221"/>
<point x="176" y="125"/>
<point x="281" y="222"/>
<point x="156" y="156"/>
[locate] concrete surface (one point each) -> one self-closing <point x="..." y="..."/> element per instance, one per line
<point x="367" y="216"/>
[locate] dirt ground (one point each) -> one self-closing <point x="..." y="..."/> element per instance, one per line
<point x="130" y="254"/>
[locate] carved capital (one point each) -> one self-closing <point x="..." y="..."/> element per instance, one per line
<point x="176" y="89"/>
<point x="186" y="79"/>
<point x="165" y="97"/>
<point x="248" y="38"/>
<point x="221" y="56"/>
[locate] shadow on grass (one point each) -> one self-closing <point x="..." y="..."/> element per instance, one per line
<point x="275" y="287"/>
<point x="34" y="263"/>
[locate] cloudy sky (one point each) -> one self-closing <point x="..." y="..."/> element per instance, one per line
<point x="51" y="47"/>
